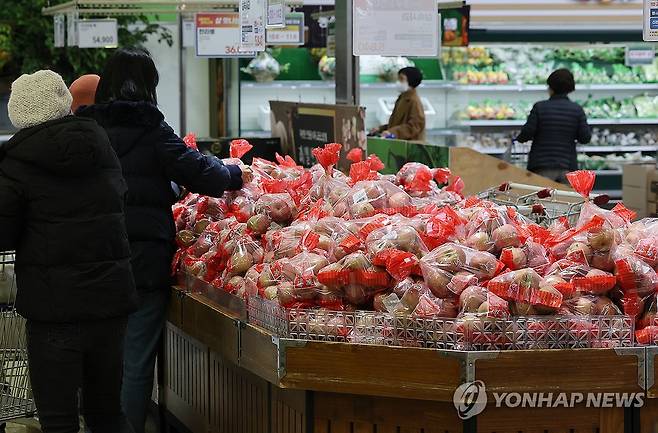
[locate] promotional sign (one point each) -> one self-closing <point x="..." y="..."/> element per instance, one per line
<point x="302" y="127"/>
<point x="72" y="29"/>
<point x="291" y="34"/>
<point x="98" y="33"/>
<point x="396" y="28"/>
<point x="252" y="25"/>
<point x="59" y="28"/>
<point x="637" y="55"/>
<point x="331" y="39"/>
<point x="650" y="21"/>
<point x="218" y="35"/>
<point x="455" y="26"/>
<point x="275" y="14"/>
<point x="189" y="33"/>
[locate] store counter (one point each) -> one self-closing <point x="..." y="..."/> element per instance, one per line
<point x="223" y="374"/>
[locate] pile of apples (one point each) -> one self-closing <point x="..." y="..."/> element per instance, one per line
<point x="409" y="244"/>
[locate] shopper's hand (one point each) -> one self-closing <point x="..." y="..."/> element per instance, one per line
<point x="374" y="131"/>
<point x="247" y="174"/>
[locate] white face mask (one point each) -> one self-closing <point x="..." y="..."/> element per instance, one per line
<point x="402" y="86"/>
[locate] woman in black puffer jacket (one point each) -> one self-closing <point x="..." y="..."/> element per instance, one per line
<point x="152" y="156"/>
<point x="62" y="199"/>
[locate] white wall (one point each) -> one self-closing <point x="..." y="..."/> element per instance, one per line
<point x="196" y="85"/>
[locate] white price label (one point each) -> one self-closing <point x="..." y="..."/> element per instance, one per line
<point x="275" y="14"/>
<point x="59" y="28"/>
<point x="98" y="33"/>
<point x="188" y="33"/>
<point x="291" y="34"/>
<point x="218" y="35"/>
<point x="252" y="25"/>
<point x="396" y="28"/>
<point x="72" y="29"/>
<point x="650" y="21"/>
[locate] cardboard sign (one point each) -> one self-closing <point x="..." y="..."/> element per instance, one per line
<point x="218" y="35"/>
<point x="396" y="28"/>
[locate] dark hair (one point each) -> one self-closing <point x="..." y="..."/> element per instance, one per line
<point x="414" y="76"/>
<point x="129" y="75"/>
<point x="561" y="82"/>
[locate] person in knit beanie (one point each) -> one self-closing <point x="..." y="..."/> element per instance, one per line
<point x="37" y="98"/>
<point x="62" y="203"/>
<point x="84" y="90"/>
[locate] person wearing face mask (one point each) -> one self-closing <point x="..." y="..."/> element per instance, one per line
<point x="407" y="122"/>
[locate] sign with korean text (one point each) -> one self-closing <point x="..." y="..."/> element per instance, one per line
<point x="331" y="39"/>
<point x="650" y="21"/>
<point x="291" y="34"/>
<point x="637" y="55"/>
<point x="218" y="35"/>
<point x="276" y="14"/>
<point x="252" y="25"/>
<point x="396" y="28"/>
<point x="59" y="28"/>
<point x="98" y="33"/>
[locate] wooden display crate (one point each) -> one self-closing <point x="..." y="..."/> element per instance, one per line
<point x="312" y="386"/>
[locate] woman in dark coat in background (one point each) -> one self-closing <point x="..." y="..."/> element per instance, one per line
<point x="152" y="156"/>
<point x="554" y="126"/>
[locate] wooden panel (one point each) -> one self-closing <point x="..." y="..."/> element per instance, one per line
<point x="289" y="410"/>
<point x="258" y="353"/>
<point x="652" y="362"/>
<point x="186" y="379"/>
<point x="354" y="413"/>
<point x="211" y="326"/>
<point x="585" y="370"/>
<point x="175" y="312"/>
<point x="238" y="399"/>
<point x="553" y="420"/>
<point x="480" y="171"/>
<point x="649" y="416"/>
<point x="373" y="370"/>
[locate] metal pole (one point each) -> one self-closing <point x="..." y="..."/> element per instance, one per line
<point x="347" y="66"/>
<point x="181" y="77"/>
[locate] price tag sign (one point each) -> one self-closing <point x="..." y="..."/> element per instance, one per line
<point x="189" y="33"/>
<point x="396" y="28"/>
<point x="291" y="34"/>
<point x="72" y="29"/>
<point x="98" y="33"/>
<point x="252" y="25"/>
<point x="650" y="21"/>
<point x="275" y="14"/>
<point x="218" y="35"/>
<point x="59" y="28"/>
<point x="331" y="39"/>
<point x="639" y="55"/>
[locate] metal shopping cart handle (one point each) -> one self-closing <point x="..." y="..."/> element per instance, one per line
<point x="553" y="193"/>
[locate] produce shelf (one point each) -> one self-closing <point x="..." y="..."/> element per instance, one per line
<point x="542" y="87"/>
<point x="517" y="122"/>
<point x="608" y="172"/>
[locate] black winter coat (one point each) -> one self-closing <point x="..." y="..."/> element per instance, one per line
<point x="152" y="156"/>
<point x="554" y="126"/>
<point x="62" y="200"/>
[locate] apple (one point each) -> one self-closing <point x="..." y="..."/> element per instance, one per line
<point x="259" y="223"/>
<point x="579" y="251"/>
<point x="271" y="293"/>
<point x="601" y="239"/>
<point x="450" y="257"/>
<point x="411" y="298"/>
<point x="515" y="258"/>
<point x="240" y="262"/>
<point x="472" y="298"/>
<point x="399" y="200"/>
<point x="483" y="264"/>
<point x="437" y="280"/>
<point x="200" y="226"/>
<point x="280" y="211"/>
<point x="605" y="307"/>
<point x="361" y="210"/>
<point x="479" y="241"/>
<point x="506" y="236"/>
<point x="185" y="238"/>
<point x="522" y="309"/>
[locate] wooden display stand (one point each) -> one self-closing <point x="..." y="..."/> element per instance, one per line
<point x="225" y="376"/>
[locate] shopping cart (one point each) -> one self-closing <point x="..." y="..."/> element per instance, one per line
<point x="541" y="205"/>
<point x="15" y="394"/>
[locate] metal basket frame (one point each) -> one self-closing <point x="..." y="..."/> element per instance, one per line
<point x="16" y="399"/>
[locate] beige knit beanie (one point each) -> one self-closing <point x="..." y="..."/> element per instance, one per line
<point x="37" y="98"/>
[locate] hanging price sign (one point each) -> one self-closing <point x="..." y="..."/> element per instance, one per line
<point x="275" y="14"/>
<point x="98" y="33"/>
<point x="291" y="34"/>
<point x="252" y="25"/>
<point x="218" y="35"/>
<point x="59" y="28"/>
